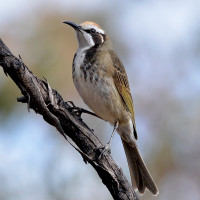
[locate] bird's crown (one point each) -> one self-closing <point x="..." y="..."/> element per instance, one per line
<point x="89" y="25"/>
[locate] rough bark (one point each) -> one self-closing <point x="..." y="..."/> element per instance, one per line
<point x="67" y="120"/>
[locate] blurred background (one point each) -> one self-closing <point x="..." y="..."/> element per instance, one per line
<point x="158" y="42"/>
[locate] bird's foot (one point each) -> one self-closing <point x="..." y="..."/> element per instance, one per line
<point x="104" y="150"/>
<point x="78" y="111"/>
<point x="74" y="109"/>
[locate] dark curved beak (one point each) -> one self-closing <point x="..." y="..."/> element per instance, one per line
<point x="72" y="24"/>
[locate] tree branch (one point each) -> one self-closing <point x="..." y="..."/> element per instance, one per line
<point x="47" y="102"/>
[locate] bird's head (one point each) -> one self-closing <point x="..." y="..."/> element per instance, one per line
<point x="89" y="34"/>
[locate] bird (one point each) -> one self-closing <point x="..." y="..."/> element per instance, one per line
<point x="102" y="82"/>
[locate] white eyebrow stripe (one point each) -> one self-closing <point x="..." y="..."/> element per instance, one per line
<point x="96" y="28"/>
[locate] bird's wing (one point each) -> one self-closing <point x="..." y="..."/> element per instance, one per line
<point x="122" y="85"/>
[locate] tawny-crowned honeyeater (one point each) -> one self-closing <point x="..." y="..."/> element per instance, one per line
<point x="102" y="82"/>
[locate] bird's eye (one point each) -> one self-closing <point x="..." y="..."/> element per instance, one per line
<point x="92" y="30"/>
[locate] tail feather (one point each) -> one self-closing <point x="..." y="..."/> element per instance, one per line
<point x="140" y="176"/>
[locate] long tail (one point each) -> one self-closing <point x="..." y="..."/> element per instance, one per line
<point x="140" y="176"/>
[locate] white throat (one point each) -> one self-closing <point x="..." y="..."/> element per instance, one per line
<point x="85" y="40"/>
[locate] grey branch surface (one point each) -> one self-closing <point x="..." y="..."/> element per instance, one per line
<point x="67" y="120"/>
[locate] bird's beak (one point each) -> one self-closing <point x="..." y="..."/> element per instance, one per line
<point x="72" y="24"/>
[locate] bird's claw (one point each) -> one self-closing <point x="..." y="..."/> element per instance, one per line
<point x="79" y="111"/>
<point x="74" y="109"/>
<point x="105" y="150"/>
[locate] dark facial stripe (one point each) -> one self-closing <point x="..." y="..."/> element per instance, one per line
<point x="98" y="38"/>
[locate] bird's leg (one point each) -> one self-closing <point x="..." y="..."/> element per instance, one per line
<point x="113" y="133"/>
<point x="107" y="147"/>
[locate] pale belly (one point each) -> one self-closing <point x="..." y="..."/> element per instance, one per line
<point x="98" y="97"/>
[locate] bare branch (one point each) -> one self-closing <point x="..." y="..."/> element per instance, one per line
<point x="47" y="102"/>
